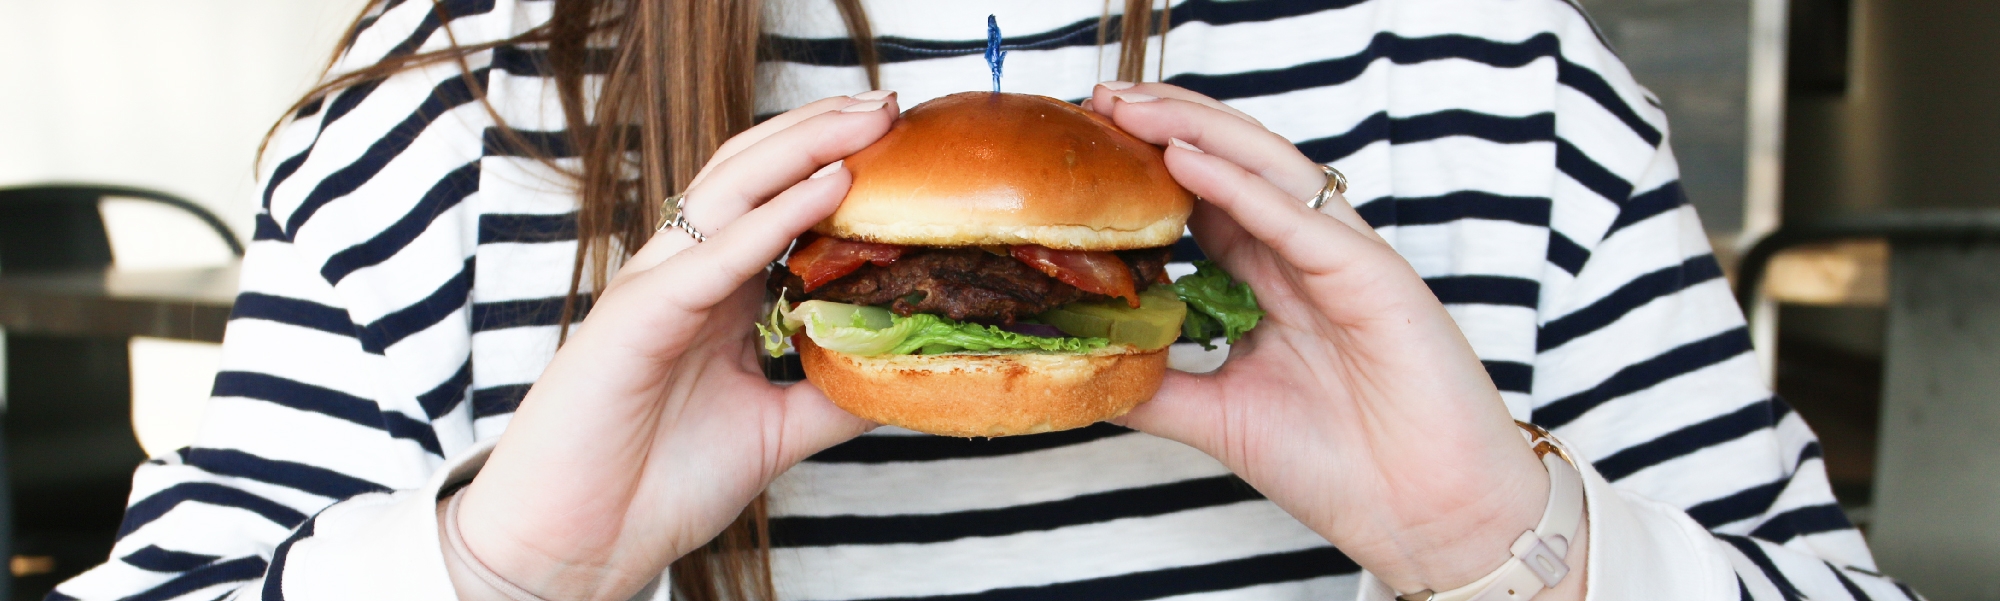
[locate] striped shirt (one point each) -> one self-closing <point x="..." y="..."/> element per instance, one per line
<point x="406" y="277"/>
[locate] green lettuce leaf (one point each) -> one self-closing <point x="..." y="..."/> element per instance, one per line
<point x="870" y="331"/>
<point x="777" y="328"/>
<point x="851" y="329"/>
<point x="1217" y="305"/>
<point x="931" y="335"/>
<point x="773" y="332"/>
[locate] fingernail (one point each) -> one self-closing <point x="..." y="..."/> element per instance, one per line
<point x="874" y="95"/>
<point x="1117" y="85"/>
<point x="865" y="107"/>
<point x="1086" y="105"/>
<point x="1183" y="145"/>
<point x="1136" y="97"/>
<point x="829" y="169"/>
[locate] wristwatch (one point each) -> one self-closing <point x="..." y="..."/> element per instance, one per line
<point x="1538" y="555"/>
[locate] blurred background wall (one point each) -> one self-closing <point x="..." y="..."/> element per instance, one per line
<point x="1695" y="56"/>
<point x="169" y="96"/>
<point x="1899" y="110"/>
<point x="166" y="95"/>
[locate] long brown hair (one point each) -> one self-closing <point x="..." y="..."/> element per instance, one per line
<point x="678" y="80"/>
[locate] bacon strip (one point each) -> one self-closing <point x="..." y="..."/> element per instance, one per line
<point x="828" y="258"/>
<point x="1090" y="271"/>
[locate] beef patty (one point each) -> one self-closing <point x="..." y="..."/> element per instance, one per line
<point x="963" y="284"/>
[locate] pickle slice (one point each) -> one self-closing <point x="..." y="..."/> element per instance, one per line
<point x="1072" y="320"/>
<point x="1155" y="324"/>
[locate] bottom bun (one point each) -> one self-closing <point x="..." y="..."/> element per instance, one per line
<point x="985" y="395"/>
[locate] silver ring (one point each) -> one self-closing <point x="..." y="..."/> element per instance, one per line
<point x="1336" y="183"/>
<point x="673" y="214"/>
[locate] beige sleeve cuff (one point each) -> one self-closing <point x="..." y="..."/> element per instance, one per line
<point x="378" y="545"/>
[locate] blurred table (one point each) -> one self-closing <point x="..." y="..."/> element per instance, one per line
<point x="188" y="304"/>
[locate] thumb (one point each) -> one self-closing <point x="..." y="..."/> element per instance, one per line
<point x="813" y="423"/>
<point x="1188" y="410"/>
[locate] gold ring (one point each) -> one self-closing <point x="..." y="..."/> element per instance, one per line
<point x="1336" y="183"/>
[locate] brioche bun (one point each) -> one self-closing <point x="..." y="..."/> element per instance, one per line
<point x="986" y="395"/>
<point x="986" y="168"/>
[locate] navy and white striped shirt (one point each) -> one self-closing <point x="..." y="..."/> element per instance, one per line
<point x="408" y="270"/>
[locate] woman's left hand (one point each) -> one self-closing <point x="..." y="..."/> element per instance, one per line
<point x="1356" y="404"/>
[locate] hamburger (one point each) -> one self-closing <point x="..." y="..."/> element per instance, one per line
<point x="998" y="268"/>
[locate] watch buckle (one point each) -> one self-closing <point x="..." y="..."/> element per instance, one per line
<point x="1541" y="560"/>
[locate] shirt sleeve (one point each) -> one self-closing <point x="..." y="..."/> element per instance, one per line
<point x="342" y="405"/>
<point x="1644" y="367"/>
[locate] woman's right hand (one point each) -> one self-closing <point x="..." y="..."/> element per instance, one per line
<point x="654" y="426"/>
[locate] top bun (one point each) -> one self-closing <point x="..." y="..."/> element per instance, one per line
<point x="977" y="168"/>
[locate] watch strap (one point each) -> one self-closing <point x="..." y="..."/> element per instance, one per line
<point x="1537" y="557"/>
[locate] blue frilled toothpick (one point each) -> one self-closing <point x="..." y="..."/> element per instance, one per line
<point x="995" y="57"/>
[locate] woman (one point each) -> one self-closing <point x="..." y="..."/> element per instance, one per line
<point x="417" y="258"/>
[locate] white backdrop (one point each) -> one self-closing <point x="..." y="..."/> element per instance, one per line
<point x="166" y="95"/>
